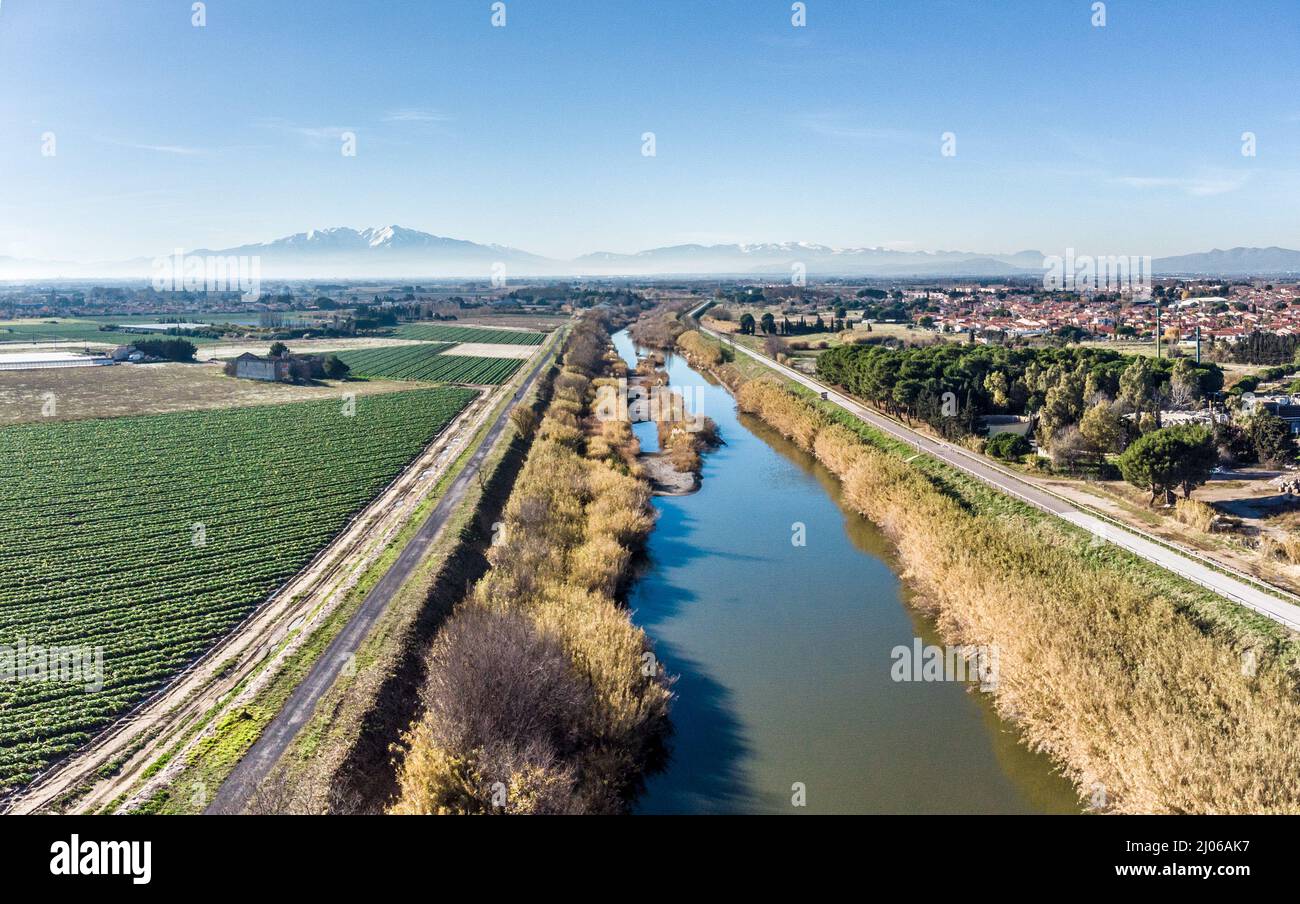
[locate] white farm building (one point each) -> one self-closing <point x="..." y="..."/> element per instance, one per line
<point x="42" y="360"/>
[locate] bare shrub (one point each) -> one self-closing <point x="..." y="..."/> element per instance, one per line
<point x="1290" y="546"/>
<point x="496" y="681"/>
<point x="525" y="420"/>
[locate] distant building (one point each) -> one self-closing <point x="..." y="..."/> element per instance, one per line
<point x="286" y="369"/>
<point x="1285" y="407"/>
<point x="1203" y="416"/>
<point x="272" y="370"/>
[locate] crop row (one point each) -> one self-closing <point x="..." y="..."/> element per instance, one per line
<point x="424" y="362"/>
<point x="436" y="332"/>
<point x="151" y="537"/>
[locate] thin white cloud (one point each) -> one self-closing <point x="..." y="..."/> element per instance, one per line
<point x="1197" y="186"/>
<point x="178" y="149"/>
<point x="311" y="133"/>
<point x="844" y="128"/>
<point x="320" y="133"/>
<point x="410" y="115"/>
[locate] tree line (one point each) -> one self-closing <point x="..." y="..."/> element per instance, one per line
<point x="951" y="387"/>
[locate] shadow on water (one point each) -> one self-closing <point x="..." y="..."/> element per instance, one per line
<point x="712" y="753"/>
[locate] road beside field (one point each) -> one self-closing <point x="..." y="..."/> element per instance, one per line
<point x="234" y="793"/>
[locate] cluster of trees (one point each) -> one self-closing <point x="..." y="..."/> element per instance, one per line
<point x="1258" y="348"/>
<point x="1169" y="459"/>
<point x="1264" y="439"/>
<point x="167" y="349"/>
<point x="952" y="386"/>
<point x="768" y="325"/>
<point x="563" y="293"/>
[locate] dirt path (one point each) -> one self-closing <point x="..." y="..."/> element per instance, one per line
<point x="235" y="792"/>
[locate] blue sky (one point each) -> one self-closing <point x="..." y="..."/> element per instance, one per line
<point x="1122" y="139"/>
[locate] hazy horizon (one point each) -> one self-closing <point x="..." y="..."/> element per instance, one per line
<point x="168" y="135"/>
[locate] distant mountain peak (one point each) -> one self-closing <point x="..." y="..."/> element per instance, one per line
<point x="395" y="251"/>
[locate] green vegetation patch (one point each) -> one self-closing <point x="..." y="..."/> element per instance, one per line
<point x="425" y="362"/>
<point x="19" y="331"/>
<point x="436" y="332"/>
<point x="149" y="538"/>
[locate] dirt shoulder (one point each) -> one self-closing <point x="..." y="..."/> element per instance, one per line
<point x="1255" y="501"/>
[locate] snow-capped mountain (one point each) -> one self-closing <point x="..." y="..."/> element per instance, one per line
<point x="391" y="252"/>
<point x="816" y="260"/>
<point x="342" y="252"/>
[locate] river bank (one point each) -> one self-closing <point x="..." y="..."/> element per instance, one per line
<point x="783" y="651"/>
<point x="541" y="696"/>
<point x="1103" y="661"/>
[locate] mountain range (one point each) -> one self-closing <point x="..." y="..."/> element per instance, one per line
<point x="398" y="252"/>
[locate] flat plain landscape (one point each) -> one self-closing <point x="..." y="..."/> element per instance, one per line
<point x="95" y="392"/>
<point x="151" y="537"/>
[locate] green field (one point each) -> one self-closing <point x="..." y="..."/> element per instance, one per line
<point x="65" y="330"/>
<point x="101" y="544"/>
<point x="436" y="332"/>
<point x="424" y="362"/>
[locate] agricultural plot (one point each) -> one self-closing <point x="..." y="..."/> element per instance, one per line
<point x="425" y="362"/>
<point x="151" y="537"/>
<point x="74" y="331"/>
<point x="436" y="332"/>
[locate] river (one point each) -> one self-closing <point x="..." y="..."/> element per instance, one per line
<point x="783" y="651"/>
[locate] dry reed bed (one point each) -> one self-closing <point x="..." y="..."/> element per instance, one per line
<point x="1143" y="710"/>
<point x="543" y="697"/>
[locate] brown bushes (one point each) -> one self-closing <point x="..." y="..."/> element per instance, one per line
<point x="571" y="527"/>
<point x="699" y="350"/>
<point x="1109" y="677"/>
<point x="778" y="407"/>
<point x="1195" y="513"/>
<point x="572" y="387"/>
<point x="683" y="435"/>
<point x="657" y="329"/>
<point x="502" y="689"/>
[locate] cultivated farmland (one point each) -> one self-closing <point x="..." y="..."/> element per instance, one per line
<point x="424" y="362"/>
<point x="151" y="537"/>
<point x="72" y="331"/>
<point x="454" y="334"/>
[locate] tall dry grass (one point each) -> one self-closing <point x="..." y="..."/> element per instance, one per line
<point x="699" y="350"/>
<point x="1118" y="685"/>
<point x="574" y="520"/>
<point x="1195" y="513"/>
